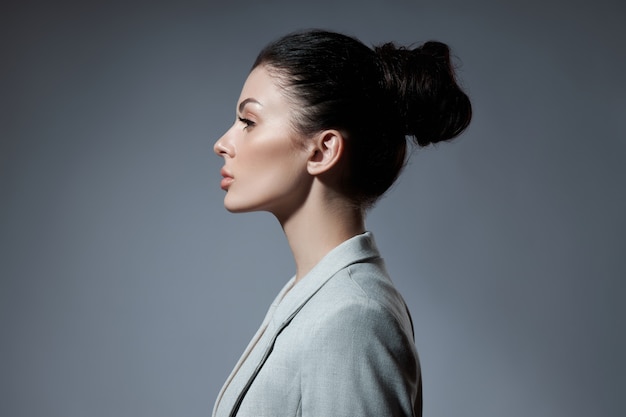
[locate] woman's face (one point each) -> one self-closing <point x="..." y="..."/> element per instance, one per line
<point x="264" y="159"/>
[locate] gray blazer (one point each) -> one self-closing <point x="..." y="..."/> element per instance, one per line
<point x="339" y="343"/>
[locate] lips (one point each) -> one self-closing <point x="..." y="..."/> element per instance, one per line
<point x="227" y="179"/>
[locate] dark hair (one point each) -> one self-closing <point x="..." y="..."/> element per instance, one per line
<point x="375" y="97"/>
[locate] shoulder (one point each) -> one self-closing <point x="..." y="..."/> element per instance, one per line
<point x="366" y="285"/>
<point x="360" y="300"/>
<point x="356" y="332"/>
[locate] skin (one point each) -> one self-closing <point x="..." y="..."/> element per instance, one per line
<point x="268" y="166"/>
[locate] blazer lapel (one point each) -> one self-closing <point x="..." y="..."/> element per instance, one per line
<point x="255" y="340"/>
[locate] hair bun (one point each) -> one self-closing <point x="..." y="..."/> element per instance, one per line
<point x="422" y="88"/>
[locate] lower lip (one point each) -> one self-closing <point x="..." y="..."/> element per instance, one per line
<point x="226" y="182"/>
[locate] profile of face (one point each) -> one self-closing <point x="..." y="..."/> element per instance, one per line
<point x="265" y="162"/>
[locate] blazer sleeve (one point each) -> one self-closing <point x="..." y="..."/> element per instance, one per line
<point x="360" y="361"/>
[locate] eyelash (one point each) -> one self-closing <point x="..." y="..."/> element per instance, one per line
<point x="248" y="123"/>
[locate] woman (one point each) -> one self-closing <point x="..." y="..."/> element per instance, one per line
<point x="320" y="135"/>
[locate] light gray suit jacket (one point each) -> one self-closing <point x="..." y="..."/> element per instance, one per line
<point x="339" y="343"/>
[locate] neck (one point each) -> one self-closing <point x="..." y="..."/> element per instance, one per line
<point x="316" y="229"/>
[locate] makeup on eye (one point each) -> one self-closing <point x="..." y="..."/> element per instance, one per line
<point x="247" y="122"/>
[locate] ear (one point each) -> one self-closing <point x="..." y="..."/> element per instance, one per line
<point x="327" y="151"/>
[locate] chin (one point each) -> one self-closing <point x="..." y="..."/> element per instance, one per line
<point x="231" y="208"/>
<point x="234" y="207"/>
<point x="236" y="210"/>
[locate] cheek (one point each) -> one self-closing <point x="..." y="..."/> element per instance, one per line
<point x="280" y="157"/>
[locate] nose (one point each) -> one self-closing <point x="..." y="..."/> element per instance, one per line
<point x="222" y="146"/>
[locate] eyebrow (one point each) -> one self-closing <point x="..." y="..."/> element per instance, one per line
<point x="246" y="101"/>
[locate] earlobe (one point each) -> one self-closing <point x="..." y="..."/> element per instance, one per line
<point x="328" y="149"/>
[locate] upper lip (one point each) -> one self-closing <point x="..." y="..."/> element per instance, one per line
<point x="225" y="173"/>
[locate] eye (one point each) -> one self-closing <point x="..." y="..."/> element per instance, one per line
<point x="247" y="122"/>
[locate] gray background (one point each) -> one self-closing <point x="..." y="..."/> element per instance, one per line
<point x="127" y="290"/>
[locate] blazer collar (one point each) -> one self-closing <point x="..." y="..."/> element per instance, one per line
<point x="356" y="249"/>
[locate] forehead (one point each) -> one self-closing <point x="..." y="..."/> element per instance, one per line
<point x="263" y="86"/>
